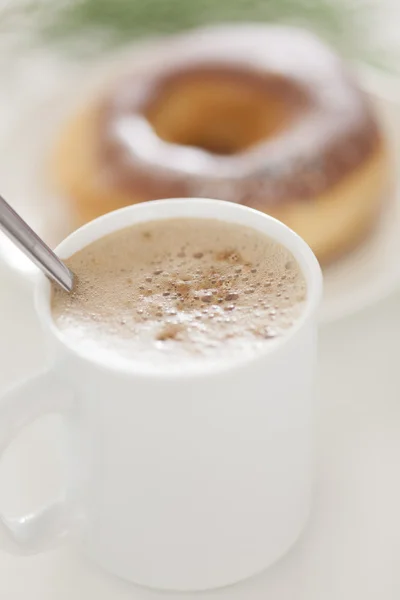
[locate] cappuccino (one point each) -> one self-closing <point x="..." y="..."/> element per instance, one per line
<point x="167" y="293"/>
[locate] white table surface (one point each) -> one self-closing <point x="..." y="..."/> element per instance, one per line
<point x="351" y="547"/>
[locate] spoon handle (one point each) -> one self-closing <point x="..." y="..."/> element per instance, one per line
<point x="30" y="243"/>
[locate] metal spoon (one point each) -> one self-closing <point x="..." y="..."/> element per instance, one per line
<point x="34" y="247"/>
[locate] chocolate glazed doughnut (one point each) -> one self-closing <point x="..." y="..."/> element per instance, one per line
<point x="259" y="115"/>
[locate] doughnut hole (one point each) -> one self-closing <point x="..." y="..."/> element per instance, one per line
<point x="220" y="112"/>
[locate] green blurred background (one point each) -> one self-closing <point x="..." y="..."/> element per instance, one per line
<point x="360" y="29"/>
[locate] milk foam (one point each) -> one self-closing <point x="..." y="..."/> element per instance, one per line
<point x="167" y="293"/>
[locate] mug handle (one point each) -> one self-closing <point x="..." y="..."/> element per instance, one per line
<point x="20" y="406"/>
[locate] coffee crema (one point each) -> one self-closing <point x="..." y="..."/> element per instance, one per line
<point x="167" y="293"/>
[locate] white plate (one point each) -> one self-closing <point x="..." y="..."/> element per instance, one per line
<point x="30" y="116"/>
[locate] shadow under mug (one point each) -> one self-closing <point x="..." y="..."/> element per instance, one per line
<point x="182" y="481"/>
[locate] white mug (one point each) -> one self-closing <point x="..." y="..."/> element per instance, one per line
<point x="182" y="481"/>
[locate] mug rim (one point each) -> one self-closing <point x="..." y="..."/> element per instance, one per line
<point x="183" y="208"/>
